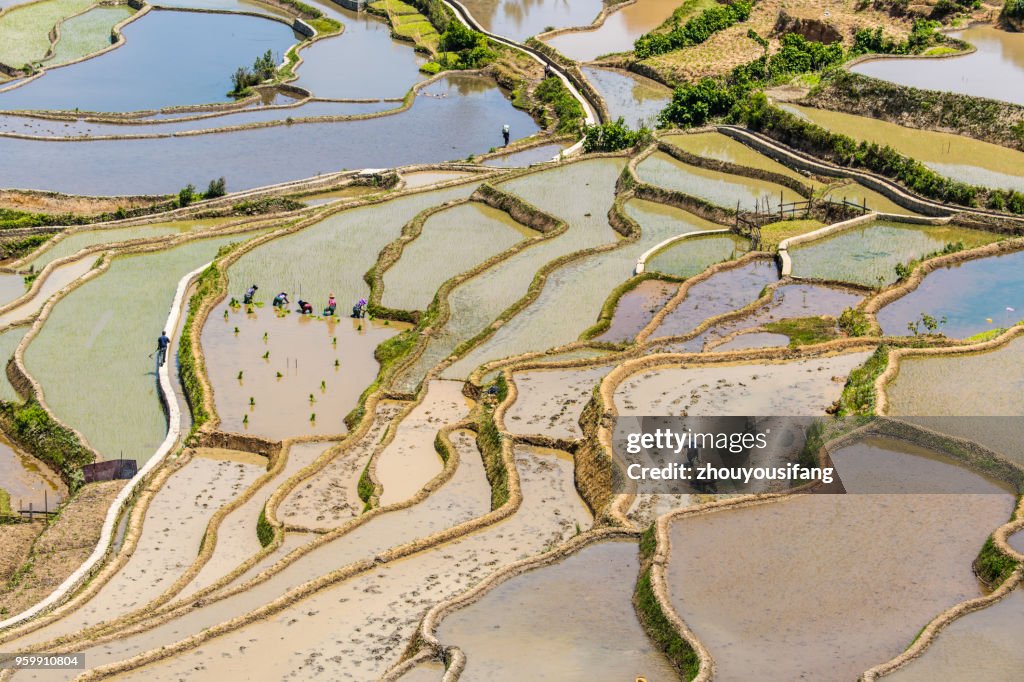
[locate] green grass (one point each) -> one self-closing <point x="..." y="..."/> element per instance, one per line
<point x="5" y="503"/>
<point x="805" y="331"/>
<point x="774" y="233"/>
<point x="858" y="396"/>
<point x="88" y="33"/>
<point x="264" y="531"/>
<point x="678" y="650"/>
<point x="488" y="440"/>
<point x="992" y="566"/>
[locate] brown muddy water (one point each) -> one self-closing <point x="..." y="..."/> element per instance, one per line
<point x="955" y="156"/>
<point x="410" y="460"/>
<point x="981" y="645"/>
<point x="331" y="496"/>
<point x="303" y="350"/>
<point x="236" y="538"/>
<point x="693" y="256"/>
<point x="431" y="671"/>
<point x="425" y="178"/>
<point x="802" y="387"/>
<point x="550" y="401"/>
<point x="995" y="70"/>
<point x="833" y="584"/>
<point x="754" y="340"/>
<point x="27" y="480"/>
<point x="619" y="31"/>
<point x="721" y="189"/>
<point x="358" y="628"/>
<point x="862" y="196"/>
<point x="720" y="293"/>
<point x="520" y="20"/>
<point x="571" y="620"/>
<point x="636" y="308"/>
<point x="172" y="532"/>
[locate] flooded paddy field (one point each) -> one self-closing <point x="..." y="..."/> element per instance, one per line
<point x="721" y="189"/>
<point x="527" y="157"/>
<point x="722" y="292"/>
<point x="780" y="615"/>
<point x="800" y="387"/>
<point x="693" y="256"/>
<point x="982" y="644"/>
<point x="576" y="615"/>
<point x="723" y="148"/>
<point x="629" y="95"/>
<point x="117" y="80"/>
<point x="636" y="308"/>
<point x="522" y="20"/>
<point x="87" y="33"/>
<point x="460" y="238"/>
<point x="868" y="254"/>
<point x="115" y="319"/>
<point x="955" y="156"/>
<point x="973" y="297"/>
<point x="619" y="31"/>
<point x="995" y="70"/>
<point x="462" y="125"/>
<point x="27" y="480"/>
<point x="550" y="400"/>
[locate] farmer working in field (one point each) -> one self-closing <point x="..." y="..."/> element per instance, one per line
<point x="161" y="349"/>
<point x="250" y="293"/>
<point x="505" y="132"/>
<point x="281" y="300"/>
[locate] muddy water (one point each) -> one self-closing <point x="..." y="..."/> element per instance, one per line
<point x="722" y="292"/>
<point x="527" y="157"/>
<point x="635" y="98"/>
<point x="869" y="254"/>
<point x="332" y="255"/>
<point x="74" y="243"/>
<point x="462" y="123"/>
<point x="989" y="383"/>
<point x="520" y="20"/>
<point x="802" y="387"/>
<point x="431" y="671"/>
<point x="425" y="178"/>
<point x="856" y="577"/>
<point x="359" y="628"/>
<point x="465" y="496"/>
<point x="955" y="156"/>
<point x="721" y="189"/>
<point x="57" y="280"/>
<point x="974" y="296"/>
<point x="477" y="302"/>
<point x="550" y="401"/>
<point x="692" y="256"/>
<point x="572" y="620"/>
<point x="11" y="287"/>
<point x="452" y="241"/>
<point x="173" y="529"/>
<point x="981" y="645"/>
<point x="995" y="70"/>
<point x="230" y="5"/>
<point x="273" y="397"/>
<point x="573" y="295"/>
<point x="723" y="148"/>
<point x="331" y="496"/>
<point x="410" y="460"/>
<point x="27" y="480"/>
<point x="236" y="537"/>
<point x="122" y="79"/>
<point x="789" y="301"/>
<point x="386" y="67"/>
<point x="636" y="308"/>
<point x="618" y="32"/>
<point x="115" y="319"/>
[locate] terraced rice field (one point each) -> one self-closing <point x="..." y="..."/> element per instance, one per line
<point x="475" y="466"/>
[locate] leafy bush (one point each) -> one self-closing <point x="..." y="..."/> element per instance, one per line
<point x="854" y="322"/>
<point x="216" y="188"/>
<point x="1014" y="9"/>
<point x="611" y="137"/>
<point x="922" y="35"/>
<point x="570" y="113"/>
<point x="693" y="32"/>
<point x="35" y="430"/>
<point x="262" y="69"/>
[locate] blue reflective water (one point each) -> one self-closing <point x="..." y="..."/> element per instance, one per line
<point x="169" y="58"/>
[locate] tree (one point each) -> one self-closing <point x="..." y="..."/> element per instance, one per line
<point x="186" y="195"/>
<point x="216" y="188"/>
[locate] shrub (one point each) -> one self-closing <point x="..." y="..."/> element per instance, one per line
<point x="553" y="92"/>
<point x="610" y="137"/>
<point x="35" y="430"/>
<point x="1014" y="9"/>
<point x="186" y="195"/>
<point x="262" y="69"/>
<point x="216" y="188"/>
<point x="693" y="32"/>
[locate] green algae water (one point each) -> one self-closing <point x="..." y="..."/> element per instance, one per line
<point x="87" y="33"/>
<point x="452" y="241"/>
<point x="692" y="256"/>
<point x="91" y="354"/>
<point x="869" y="254"/>
<point x="724" y="148"/>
